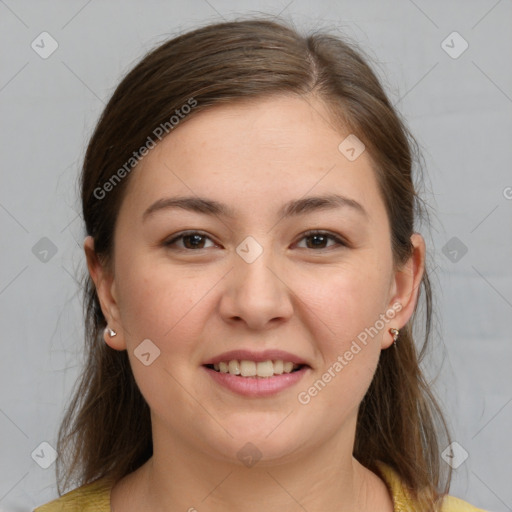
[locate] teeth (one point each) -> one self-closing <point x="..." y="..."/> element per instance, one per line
<point x="278" y="367"/>
<point x="234" y="368"/>
<point x="265" y="369"/>
<point x="253" y="369"/>
<point x="248" y="368"/>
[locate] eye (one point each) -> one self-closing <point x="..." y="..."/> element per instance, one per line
<point x="319" y="238"/>
<point x="193" y="240"/>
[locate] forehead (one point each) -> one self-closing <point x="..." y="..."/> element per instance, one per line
<point x="256" y="153"/>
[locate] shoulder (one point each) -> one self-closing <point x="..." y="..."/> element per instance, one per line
<point x="452" y="504"/>
<point x="403" y="501"/>
<point x="93" y="497"/>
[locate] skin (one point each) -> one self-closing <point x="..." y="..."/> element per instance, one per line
<point x="195" y="304"/>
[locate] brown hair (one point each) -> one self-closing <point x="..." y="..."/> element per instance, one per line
<point x="106" y="431"/>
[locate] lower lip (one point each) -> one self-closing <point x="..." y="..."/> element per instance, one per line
<point x="257" y="386"/>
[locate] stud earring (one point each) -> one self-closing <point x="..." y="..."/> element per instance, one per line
<point x="395" y="333"/>
<point x="110" y="331"/>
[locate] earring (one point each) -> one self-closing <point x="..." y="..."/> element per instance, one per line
<point x="395" y="333"/>
<point x="110" y="331"/>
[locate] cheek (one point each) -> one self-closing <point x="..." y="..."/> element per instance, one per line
<point x="346" y="310"/>
<point x="348" y="300"/>
<point x="170" y="305"/>
<point x="349" y="358"/>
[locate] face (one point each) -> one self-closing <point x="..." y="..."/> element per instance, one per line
<point x="200" y="281"/>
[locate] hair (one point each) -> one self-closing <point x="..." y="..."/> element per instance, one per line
<point x="106" y="431"/>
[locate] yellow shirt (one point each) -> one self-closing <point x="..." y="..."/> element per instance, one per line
<point x="95" y="497"/>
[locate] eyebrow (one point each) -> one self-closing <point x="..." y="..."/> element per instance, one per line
<point x="292" y="208"/>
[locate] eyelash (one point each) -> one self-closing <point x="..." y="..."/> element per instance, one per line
<point x="307" y="234"/>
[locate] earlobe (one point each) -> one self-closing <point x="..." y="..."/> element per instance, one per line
<point x="112" y="339"/>
<point x="104" y="284"/>
<point x="406" y="286"/>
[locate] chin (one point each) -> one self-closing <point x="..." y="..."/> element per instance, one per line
<point x="266" y="442"/>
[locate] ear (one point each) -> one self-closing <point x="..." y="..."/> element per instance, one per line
<point x="106" y="290"/>
<point x="405" y="288"/>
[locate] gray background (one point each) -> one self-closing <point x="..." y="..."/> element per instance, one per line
<point x="460" y="110"/>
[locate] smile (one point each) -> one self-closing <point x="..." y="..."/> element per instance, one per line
<point x="255" y="381"/>
<point x="263" y="369"/>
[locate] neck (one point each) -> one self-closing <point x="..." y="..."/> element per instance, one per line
<point x="327" y="478"/>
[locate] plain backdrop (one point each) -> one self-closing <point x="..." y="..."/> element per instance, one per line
<point x="456" y="100"/>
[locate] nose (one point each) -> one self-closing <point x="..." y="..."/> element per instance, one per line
<point x="256" y="294"/>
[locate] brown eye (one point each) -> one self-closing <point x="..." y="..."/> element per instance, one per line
<point x="192" y="240"/>
<point x="319" y="239"/>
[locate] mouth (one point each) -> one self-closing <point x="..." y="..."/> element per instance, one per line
<point x="256" y="369"/>
<point x="256" y="374"/>
<point x="256" y="379"/>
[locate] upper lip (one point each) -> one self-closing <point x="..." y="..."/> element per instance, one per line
<point x="249" y="355"/>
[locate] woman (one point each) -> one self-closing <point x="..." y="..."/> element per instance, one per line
<point x="254" y="280"/>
